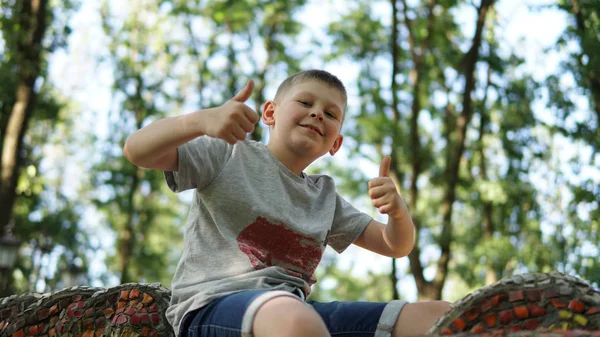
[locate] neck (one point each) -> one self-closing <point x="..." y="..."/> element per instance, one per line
<point x="293" y="161"/>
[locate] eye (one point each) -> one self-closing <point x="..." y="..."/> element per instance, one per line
<point x="304" y="103"/>
<point x="330" y="114"/>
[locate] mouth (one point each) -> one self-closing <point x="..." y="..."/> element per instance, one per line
<point x="313" y="128"/>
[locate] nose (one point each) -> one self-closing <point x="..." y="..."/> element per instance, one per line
<point x="315" y="115"/>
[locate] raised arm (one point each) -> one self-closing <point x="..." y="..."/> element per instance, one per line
<point x="397" y="238"/>
<point x="155" y="146"/>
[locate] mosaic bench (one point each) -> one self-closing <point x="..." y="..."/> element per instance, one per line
<point x="128" y="310"/>
<point x="529" y="305"/>
<point x="551" y="304"/>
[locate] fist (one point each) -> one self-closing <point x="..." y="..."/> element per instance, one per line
<point x="232" y="120"/>
<point x="383" y="192"/>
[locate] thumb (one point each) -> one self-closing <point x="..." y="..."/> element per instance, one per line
<point x="245" y="93"/>
<point x="384" y="168"/>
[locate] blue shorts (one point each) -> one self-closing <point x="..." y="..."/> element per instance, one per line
<point x="233" y="315"/>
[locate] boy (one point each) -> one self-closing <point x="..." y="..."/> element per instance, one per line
<point x="258" y="225"/>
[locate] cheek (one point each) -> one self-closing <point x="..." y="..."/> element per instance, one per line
<point x="333" y="127"/>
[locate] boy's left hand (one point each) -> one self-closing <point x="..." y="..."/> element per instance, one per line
<point x="383" y="192"/>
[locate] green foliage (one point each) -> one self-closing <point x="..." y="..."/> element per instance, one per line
<point x="336" y="284"/>
<point x="581" y="124"/>
<point x="44" y="218"/>
<point x="516" y="206"/>
<point x="358" y="34"/>
<point x="497" y="221"/>
<point x="136" y="203"/>
<point x="47" y="220"/>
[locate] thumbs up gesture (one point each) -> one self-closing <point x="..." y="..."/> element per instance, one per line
<point x="232" y="120"/>
<point x="383" y="192"/>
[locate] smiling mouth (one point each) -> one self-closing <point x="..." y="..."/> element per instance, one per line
<point x="310" y="127"/>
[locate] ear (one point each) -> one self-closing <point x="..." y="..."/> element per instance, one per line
<point x="336" y="145"/>
<point x="268" y="113"/>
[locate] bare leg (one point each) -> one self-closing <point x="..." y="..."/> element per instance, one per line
<point x="288" y="317"/>
<point x="416" y="318"/>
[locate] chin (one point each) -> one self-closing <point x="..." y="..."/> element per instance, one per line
<point x="307" y="152"/>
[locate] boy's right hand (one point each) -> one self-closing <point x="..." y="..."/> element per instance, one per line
<point x="232" y="120"/>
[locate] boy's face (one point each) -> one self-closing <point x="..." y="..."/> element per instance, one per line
<point x="307" y="119"/>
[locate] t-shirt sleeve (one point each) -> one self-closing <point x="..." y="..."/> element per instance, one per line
<point x="348" y="224"/>
<point x="200" y="162"/>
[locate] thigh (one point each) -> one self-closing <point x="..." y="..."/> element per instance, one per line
<point x="229" y="316"/>
<point x="221" y="317"/>
<point x="359" y="319"/>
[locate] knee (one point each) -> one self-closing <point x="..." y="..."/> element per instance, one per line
<point x="438" y="308"/>
<point x="286" y="316"/>
<point x="417" y="318"/>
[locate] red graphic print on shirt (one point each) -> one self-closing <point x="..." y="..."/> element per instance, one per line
<point x="268" y="244"/>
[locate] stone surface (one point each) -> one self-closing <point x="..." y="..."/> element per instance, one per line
<point x="531" y="305"/>
<point x="128" y="310"/>
<point x="551" y="303"/>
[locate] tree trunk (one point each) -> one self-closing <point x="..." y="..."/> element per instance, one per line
<point x="231" y="78"/>
<point x="31" y="17"/>
<point x="126" y="240"/>
<point x="452" y="168"/>
<point x="592" y="75"/>
<point x="395" y="102"/>
<point x="426" y="290"/>
<point x="261" y="82"/>
<point x="394" y="279"/>
<point x="488" y="226"/>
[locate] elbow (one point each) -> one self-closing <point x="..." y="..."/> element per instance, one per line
<point x="400" y="248"/>
<point x="127" y="154"/>
<point x="401" y="252"/>
<point x="403" y="249"/>
<point x="407" y="247"/>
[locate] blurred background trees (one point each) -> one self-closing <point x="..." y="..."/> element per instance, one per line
<point x="494" y="136"/>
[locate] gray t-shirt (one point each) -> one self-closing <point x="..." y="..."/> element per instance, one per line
<point x="253" y="224"/>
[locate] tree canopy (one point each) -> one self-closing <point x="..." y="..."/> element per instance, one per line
<point x="495" y="151"/>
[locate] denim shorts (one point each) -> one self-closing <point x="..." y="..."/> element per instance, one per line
<point x="233" y="315"/>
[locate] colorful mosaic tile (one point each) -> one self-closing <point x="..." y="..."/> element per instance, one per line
<point x="531" y="305"/>
<point x="536" y="333"/>
<point x="527" y="302"/>
<point x="129" y="310"/>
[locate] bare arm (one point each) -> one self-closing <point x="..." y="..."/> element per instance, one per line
<point x="397" y="239"/>
<point x="155" y="146"/>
